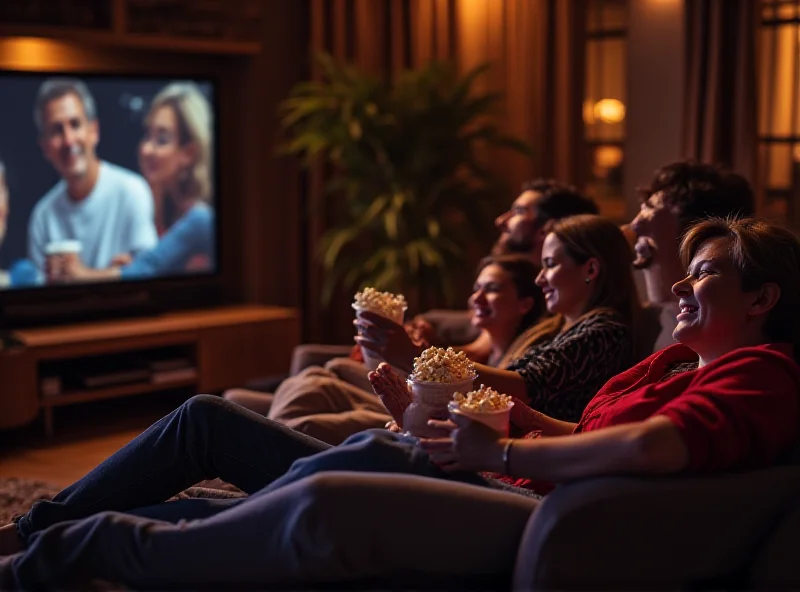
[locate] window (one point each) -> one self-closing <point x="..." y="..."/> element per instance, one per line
<point x="779" y="111"/>
<point x="604" y="103"/>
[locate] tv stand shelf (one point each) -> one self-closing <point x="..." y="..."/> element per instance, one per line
<point x="221" y="347"/>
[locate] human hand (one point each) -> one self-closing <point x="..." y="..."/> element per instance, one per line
<point x="391" y="389"/>
<point x="524" y="418"/>
<point x="121" y="260"/>
<point x="472" y="445"/>
<point x="64" y="267"/>
<point x="420" y="331"/>
<point x="386" y="339"/>
<point x="392" y="426"/>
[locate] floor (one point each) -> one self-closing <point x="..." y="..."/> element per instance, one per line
<point x="85" y="435"/>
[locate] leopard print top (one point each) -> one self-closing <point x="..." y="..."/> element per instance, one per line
<point x="562" y="374"/>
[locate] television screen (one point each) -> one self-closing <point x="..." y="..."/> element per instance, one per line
<point x="105" y="179"/>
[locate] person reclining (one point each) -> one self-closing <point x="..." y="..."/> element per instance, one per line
<point x="726" y="398"/>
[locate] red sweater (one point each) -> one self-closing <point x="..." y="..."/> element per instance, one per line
<point x="740" y="411"/>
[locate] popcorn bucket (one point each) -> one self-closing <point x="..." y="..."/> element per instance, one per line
<point x="497" y="420"/>
<point x="373" y="360"/>
<point x="430" y="401"/>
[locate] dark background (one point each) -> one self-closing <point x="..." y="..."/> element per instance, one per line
<point x="121" y="105"/>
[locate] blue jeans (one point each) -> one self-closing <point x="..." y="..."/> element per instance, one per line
<point x="110" y="524"/>
<point x="209" y="437"/>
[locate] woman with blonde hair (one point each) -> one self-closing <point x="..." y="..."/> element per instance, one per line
<point x="175" y="156"/>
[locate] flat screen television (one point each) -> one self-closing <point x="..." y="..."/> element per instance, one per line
<point x="108" y="195"/>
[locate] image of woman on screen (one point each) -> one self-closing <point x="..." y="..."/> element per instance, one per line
<point x="175" y="159"/>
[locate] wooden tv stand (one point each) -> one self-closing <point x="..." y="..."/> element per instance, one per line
<point x="224" y="347"/>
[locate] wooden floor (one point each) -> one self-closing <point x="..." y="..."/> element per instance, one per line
<point x="85" y="435"/>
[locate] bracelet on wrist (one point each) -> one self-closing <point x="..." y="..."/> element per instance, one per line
<point x="506" y="456"/>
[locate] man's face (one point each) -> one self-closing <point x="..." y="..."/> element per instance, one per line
<point x="68" y="139"/>
<point x="521" y="230"/>
<point x="3" y="207"/>
<point x="657" y="228"/>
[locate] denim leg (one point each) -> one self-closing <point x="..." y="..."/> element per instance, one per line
<point x="204" y="438"/>
<point x="328" y="528"/>
<point x="371" y="451"/>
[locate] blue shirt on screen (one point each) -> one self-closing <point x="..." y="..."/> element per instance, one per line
<point x="190" y="236"/>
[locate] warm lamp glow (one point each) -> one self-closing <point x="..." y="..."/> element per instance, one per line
<point x="588" y="112"/>
<point x="609" y="110"/>
<point x="608" y="157"/>
<point x="29" y="52"/>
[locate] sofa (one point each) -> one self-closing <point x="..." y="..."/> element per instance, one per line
<point x="731" y="531"/>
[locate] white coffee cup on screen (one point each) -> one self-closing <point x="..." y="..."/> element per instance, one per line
<point x="58" y="251"/>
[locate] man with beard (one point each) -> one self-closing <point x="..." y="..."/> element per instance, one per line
<point x="541" y="204"/>
<point x="680" y="194"/>
<point x="523" y="228"/>
<point x="104" y="209"/>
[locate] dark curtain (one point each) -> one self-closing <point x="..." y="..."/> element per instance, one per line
<point x="720" y="109"/>
<point x="536" y="48"/>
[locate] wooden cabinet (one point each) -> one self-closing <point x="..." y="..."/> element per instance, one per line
<point x="207" y="26"/>
<point x="223" y="347"/>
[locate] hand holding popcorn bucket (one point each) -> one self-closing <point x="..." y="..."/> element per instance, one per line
<point x="390" y="306"/>
<point x="437" y="375"/>
<point x="485" y="405"/>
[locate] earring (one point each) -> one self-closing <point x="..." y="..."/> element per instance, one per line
<point x="588" y="280"/>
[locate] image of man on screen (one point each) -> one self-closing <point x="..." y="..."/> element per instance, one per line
<point x="97" y="210"/>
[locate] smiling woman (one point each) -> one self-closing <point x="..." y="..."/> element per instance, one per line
<point x="589" y="290"/>
<point x="739" y="411"/>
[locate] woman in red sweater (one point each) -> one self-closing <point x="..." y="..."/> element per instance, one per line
<point x="725" y="398"/>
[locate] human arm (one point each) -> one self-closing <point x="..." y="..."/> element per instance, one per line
<point x="192" y="234"/>
<point x="740" y="411"/>
<point x="37" y="239"/>
<point x="562" y="374"/>
<point x="528" y="420"/>
<point x="478" y="350"/>
<point x="139" y="228"/>
<point x="649" y="447"/>
<point x="395" y="344"/>
<point x="387" y="339"/>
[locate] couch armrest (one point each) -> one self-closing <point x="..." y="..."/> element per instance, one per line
<point x="316" y="354"/>
<point x="651" y="533"/>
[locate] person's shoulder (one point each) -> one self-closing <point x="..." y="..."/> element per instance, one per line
<point x="767" y="354"/>
<point x="769" y="364"/>
<point x="201" y="211"/>
<point x="603" y="319"/>
<point x="49" y="201"/>
<point x="131" y="183"/>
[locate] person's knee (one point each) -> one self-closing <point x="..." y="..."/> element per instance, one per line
<point x="377" y="437"/>
<point x="204" y="406"/>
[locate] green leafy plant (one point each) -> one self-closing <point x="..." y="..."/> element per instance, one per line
<point x="404" y="164"/>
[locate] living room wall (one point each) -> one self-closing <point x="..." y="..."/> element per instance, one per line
<point x="259" y="191"/>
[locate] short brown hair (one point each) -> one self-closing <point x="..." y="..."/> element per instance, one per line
<point x="699" y="190"/>
<point x="763" y="253"/>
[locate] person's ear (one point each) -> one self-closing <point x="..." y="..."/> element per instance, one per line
<point x="94" y="129"/>
<point x="766" y="297"/>
<point x="592" y="268"/>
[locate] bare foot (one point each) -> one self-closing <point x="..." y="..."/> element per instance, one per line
<point x="393" y="392"/>
<point x="10" y="542"/>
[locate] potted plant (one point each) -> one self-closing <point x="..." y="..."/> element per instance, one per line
<point x="404" y="161"/>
